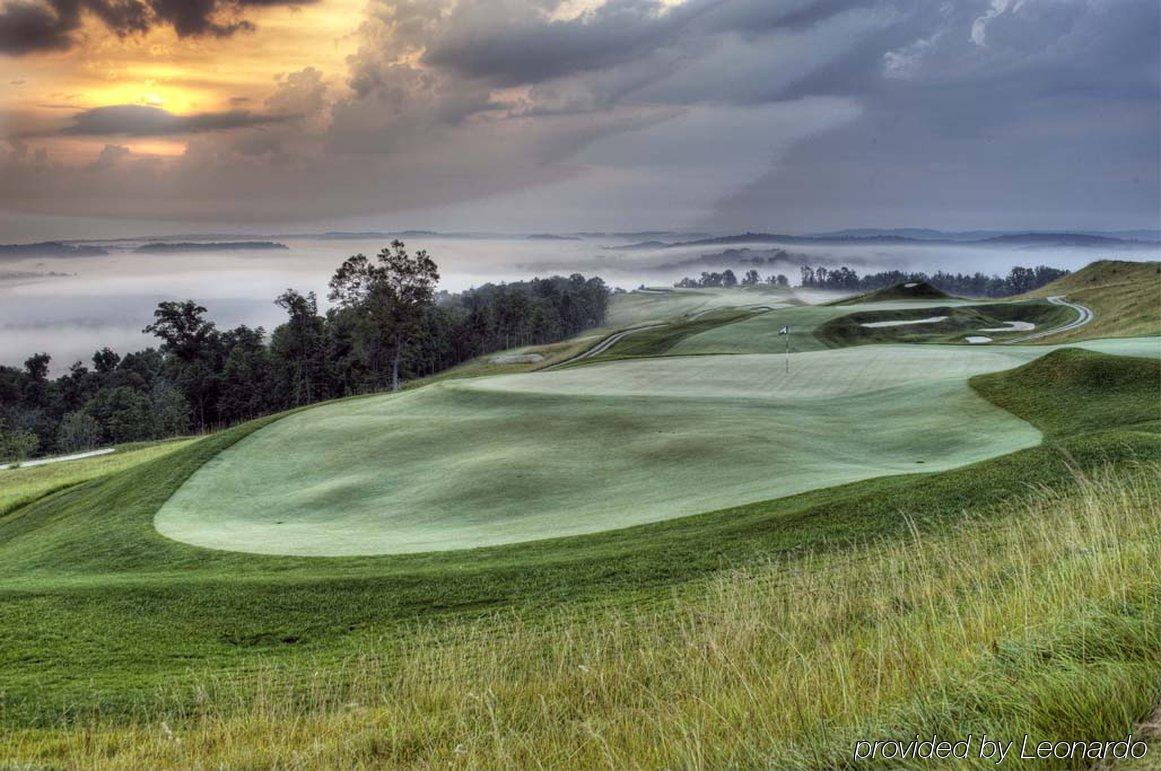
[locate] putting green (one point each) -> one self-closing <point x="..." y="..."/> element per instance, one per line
<point x="511" y="458"/>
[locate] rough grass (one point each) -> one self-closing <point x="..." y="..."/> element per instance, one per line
<point x="1046" y="621"/>
<point x="1125" y="297"/>
<point x="1071" y="390"/>
<point x="20" y="486"/>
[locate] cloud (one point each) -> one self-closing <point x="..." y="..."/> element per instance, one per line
<point x="134" y="120"/>
<point x="32" y="26"/>
<point x="750" y="114"/>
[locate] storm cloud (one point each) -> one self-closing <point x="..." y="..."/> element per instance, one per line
<point x="714" y="114"/>
<point x="29" y="26"/>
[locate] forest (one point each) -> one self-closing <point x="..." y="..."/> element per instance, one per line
<point x="388" y="324"/>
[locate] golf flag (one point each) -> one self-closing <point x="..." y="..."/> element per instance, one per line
<point x="786" y="331"/>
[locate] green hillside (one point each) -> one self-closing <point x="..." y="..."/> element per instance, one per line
<point x="907" y="290"/>
<point x="661" y="560"/>
<point x="1070" y="391"/>
<point x="1125" y="297"/>
<point x="942" y="324"/>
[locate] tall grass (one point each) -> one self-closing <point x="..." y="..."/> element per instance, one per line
<point x="1046" y="622"/>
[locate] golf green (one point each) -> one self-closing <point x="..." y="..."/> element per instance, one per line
<point x="522" y="457"/>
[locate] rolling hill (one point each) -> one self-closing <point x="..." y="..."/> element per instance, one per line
<point x="769" y="555"/>
<point x="1125" y="297"/>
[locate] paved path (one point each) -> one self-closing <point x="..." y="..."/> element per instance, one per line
<point x="603" y="346"/>
<point x="1083" y="316"/>
<point x="58" y="459"/>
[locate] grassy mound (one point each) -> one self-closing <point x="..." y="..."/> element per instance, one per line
<point x="959" y="322"/>
<point x="906" y="290"/>
<point x="1125" y="296"/>
<point x="1071" y="390"/>
<point x="515" y="458"/>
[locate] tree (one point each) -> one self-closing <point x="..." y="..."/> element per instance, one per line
<point x="78" y="431"/>
<point x="729" y="279"/>
<point x="299" y="349"/>
<point x="244" y="390"/>
<point x="125" y="414"/>
<point x="105" y="361"/>
<point x="170" y="410"/>
<point x="191" y="344"/>
<point x="16" y="444"/>
<point x="389" y="296"/>
<point x="183" y="329"/>
<point x="751" y="278"/>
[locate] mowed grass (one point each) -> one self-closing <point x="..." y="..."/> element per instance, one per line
<point x="498" y="460"/>
<point x="647" y="305"/>
<point x="1044" y="621"/>
<point x="20" y="486"/>
<point x="958" y="323"/>
<point x="760" y="333"/>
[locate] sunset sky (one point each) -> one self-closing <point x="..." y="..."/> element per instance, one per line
<point x="119" y="115"/>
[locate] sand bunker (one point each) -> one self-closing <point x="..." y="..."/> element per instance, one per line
<point x="517" y="358"/>
<point x="1013" y="326"/>
<point x="978" y="339"/>
<point x="904" y="322"/>
<point x="911" y="285"/>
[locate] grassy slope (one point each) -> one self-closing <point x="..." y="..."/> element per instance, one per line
<point x="759" y="334"/>
<point x="1070" y="391"/>
<point x="20" y="486"/>
<point x="638" y="307"/>
<point x="97" y="609"/>
<point x="918" y="290"/>
<point x="1125" y="296"/>
<point x="590" y="448"/>
<point x="1046" y="621"/>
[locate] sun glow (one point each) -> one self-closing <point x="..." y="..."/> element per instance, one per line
<point x="180" y="75"/>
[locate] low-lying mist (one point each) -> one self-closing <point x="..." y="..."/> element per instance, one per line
<point x="70" y="306"/>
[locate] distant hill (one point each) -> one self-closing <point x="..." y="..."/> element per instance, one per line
<point x="165" y="247"/>
<point x="919" y="236"/>
<point x="49" y="249"/>
<point x="1125" y="297"/>
<point x="908" y="290"/>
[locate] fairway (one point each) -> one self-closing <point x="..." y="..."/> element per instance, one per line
<point x="523" y="457"/>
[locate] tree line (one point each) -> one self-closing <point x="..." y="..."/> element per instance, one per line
<point x="1018" y="280"/>
<point x="387" y="324"/>
<point x="728" y="278"/>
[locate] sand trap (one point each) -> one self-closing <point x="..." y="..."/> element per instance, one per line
<point x="904" y="322"/>
<point x="911" y="285"/>
<point x="1013" y="326"/>
<point x="978" y="339"/>
<point x="517" y="358"/>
